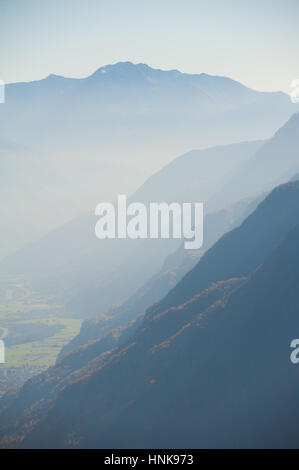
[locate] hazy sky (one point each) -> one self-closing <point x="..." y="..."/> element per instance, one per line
<point x="253" y="41"/>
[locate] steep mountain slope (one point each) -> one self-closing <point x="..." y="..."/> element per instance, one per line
<point x="275" y="162"/>
<point x="174" y="268"/>
<point x="239" y="252"/>
<point x="224" y="379"/>
<point x="197" y="371"/>
<point x="197" y="175"/>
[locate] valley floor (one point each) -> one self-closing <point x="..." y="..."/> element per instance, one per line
<point x="34" y="328"/>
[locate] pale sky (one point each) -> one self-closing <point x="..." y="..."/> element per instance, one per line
<point x="254" y="42"/>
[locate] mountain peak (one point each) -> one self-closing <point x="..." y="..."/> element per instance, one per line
<point x="52" y="77"/>
<point x="130" y="67"/>
<point x="293" y="121"/>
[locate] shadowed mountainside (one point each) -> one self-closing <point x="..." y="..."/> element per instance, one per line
<point x="274" y="163"/>
<point x="174" y="268"/>
<point x="215" y="350"/>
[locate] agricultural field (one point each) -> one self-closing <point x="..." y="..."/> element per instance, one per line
<point x="33" y="328"/>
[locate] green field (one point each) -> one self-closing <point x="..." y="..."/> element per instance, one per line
<point x="33" y="327"/>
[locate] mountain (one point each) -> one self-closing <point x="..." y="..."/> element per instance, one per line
<point x="243" y="249"/>
<point x="125" y="92"/>
<point x="197" y="175"/>
<point x="80" y="141"/>
<point x="85" y="272"/>
<point x="208" y="366"/>
<point x="175" y="266"/>
<point x="265" y="169"/>
<point x="276" y="161"/>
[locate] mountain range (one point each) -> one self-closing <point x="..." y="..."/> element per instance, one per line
<point x="66" y="144"/>
<point x="204" y="367"/>
<point x="177" y="348"/>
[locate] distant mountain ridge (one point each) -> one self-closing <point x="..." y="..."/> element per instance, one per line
<point x="78" y="141"/>
<point x="275" y="161"/>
